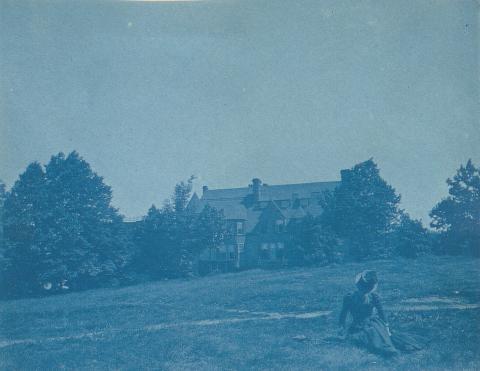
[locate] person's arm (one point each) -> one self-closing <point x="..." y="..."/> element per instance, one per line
<point x="381" y="313"/>
<point x="378" y="306"/>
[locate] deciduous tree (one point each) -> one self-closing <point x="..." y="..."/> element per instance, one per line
<point x="61" y="229"/>
<point x="363" y="210"/>
<point x="311" y="242"/>
<point x="410" y="238"/>
<point x="170" y="239"/>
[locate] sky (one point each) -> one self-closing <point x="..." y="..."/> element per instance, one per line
<point x="150" y="93"/>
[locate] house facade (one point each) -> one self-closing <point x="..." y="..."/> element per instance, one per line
<point x="257" y="217"/>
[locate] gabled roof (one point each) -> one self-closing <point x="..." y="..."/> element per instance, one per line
<point x="253" y="216"/>
<point x="194" y="203"/>
<point x="286" y="191"/>
<point x="294" y="213"/>
<point x="231" y="210"/>
<point x="237" y="206"/>
<point x="272" y="206"/>
<point x="225" y="194"/>
<point x="271" y="192"/>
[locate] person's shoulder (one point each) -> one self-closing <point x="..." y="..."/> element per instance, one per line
<point x="375" y="296"/>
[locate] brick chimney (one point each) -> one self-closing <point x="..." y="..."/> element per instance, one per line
<point x="204" y="189"/>
<point x="256" y="185"/>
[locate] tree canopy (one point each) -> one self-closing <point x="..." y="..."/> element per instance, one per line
<point x="363" y="209"/>
<point x="458" y="215"/>
<point x="311" y="242"/>
<point x="60" y="228"/>
<point x="170" y="239"/>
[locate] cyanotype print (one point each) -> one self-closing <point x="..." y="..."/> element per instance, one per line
<point x="239" y="185"/>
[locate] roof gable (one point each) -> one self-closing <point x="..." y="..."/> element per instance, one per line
<point x="238" y="203"/>
<point x="194" y="204"/>
<point x="271" y="192"/>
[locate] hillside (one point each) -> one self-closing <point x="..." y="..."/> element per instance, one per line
<point x="250" y="320"/>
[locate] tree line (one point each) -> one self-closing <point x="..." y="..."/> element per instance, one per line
<point x="59" y="231"/>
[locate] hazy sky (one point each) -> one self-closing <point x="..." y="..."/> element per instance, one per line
<point x="287" y="91"/>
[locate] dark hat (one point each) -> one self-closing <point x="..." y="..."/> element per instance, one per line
<point x="366" y="281"/>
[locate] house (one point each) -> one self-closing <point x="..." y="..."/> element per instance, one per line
<point x="257" y="217"/>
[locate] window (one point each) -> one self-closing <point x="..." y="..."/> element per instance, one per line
<point x="279" y="225"/>
<point x="304" y="202"/>
<point x="264" y="251"/>
<point x="272" y="251"/>
<point x="241" y="247"/>
<point x="240" y="227"/>
<point x="232" y="255"/>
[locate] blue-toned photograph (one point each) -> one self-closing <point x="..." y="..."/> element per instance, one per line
<point x="214" y="185"/>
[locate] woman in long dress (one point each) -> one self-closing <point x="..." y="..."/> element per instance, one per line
<point x="369" y="327"/>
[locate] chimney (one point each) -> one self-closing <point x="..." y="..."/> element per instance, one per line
<point x="204" y="189"/>
<point x="256" y="184"/>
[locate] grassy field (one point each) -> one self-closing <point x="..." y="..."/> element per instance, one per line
<point x="277" y="320"/>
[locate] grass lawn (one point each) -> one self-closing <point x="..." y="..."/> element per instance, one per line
<point x="277" y="320"/>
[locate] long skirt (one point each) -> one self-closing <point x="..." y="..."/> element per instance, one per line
<point x="374" y="335"/>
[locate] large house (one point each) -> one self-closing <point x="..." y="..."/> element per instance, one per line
<point x="257" y="217"/>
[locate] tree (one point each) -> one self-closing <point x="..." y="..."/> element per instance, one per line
<point x="61" y="229"/>
<point x="3" y="260"/>
<point x="363" y="210"/>
<point x="310" y="242"/>
<point x="181" y="195"/>
<point x="159" y="255"/>
<point x="25" y="208"/>
<point x="410" y="239"/>
<point x="82" y="207"/>
<point x="457" y="216"/>
<point x="208" y="231"/>
<point x="170" y="239"/>
<point x="3" y="195"/>
<point x="195" y="231"/>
